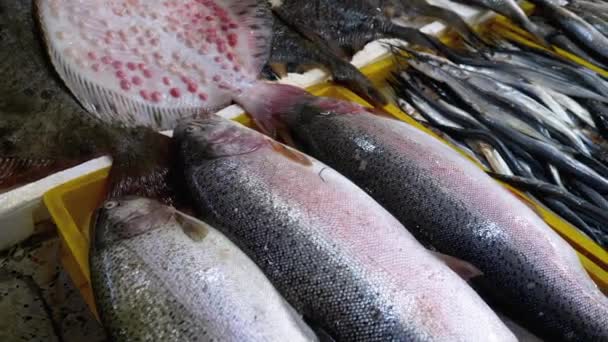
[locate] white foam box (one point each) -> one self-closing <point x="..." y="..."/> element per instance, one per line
<point x="22" y="208"/>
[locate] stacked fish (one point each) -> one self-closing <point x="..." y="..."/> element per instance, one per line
<point x="379" y="232"/>
<point x="524" y="113"/>
<point x="577" y="26"/>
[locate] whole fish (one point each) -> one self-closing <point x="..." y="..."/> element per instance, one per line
<point x="160" y="275"/>
<point x="450" y="204"/>
<point x="155" y="63"/>
<point x="336" y="255"/>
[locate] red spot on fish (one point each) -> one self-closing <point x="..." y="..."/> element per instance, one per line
<point x="221" y="47"/>
<point x="233" y="39"/>
<point x="236" y="68"/>
<point x="144" y="94"/>
<point x="117" y="64"/>
<point x="217" y="78"/>
<point x="230" y="56"/>
<point x="166" y="80"/>
<point x="175" y="92"/>
<point x="131" y="66"/>
<point x="192" y="87"/>
<point x="156" y="96"/>
<point x="186" y="80"/>
<point x="217" y="59"/>
<point x="203" y="96"/>
<point x="92" y="56"/>
<point x="106" y="59"/>
<point x="136" y="80"/>
<point x="233" y="25"/>
<point x="209" y="18"/>
<point x="121" y="74"/>
<point x="141" y="66"/>
<point x="147" y="73"/>
<point x="125" y="85"/>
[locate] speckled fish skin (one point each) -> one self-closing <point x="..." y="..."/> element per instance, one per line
<point x="449" y="203"/>
<point x="337" y="256"/>
<point x="347" y="24"/>
<point x="159" y="275"/>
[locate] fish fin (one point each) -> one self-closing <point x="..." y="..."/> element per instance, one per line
<point x="319" y="331"/>
<point x="410" y="35"/>
<point x="118" y="72"/>
<point x="291" y="153"/>
<point x="143" y="166"/>
<point x="464" y="269"/>
<point x="348" y="75"/>
<point x="303" y="29"/>
<point x="279" y="69"/>
<point x="196" y="229"/>
<point x="268" y="104"/>
<point x="17" y="171"/>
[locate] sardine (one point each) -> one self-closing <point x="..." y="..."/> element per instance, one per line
<point x="449" y="203"/>
<point x="336" y="255"/>
<point x="160" y="275"/>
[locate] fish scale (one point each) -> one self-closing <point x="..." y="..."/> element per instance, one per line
<point x="335" y="255"/>
<point x="160" y="275"/>
<point x="450" y="204"/>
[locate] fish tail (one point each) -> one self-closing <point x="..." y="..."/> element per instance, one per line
<point x="143" y="165"/>
<point x="271" y="104"/>
<point x="19" y="170"/>
<point x="348" y="75"/>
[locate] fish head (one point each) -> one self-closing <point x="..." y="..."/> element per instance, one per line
<point x="215" y="137"/>
<point x="127" y="217"/>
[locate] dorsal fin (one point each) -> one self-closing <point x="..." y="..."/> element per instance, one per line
<point x="153" y="62"/>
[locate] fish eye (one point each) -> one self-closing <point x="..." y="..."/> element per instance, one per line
<point x="190" y="129"/>
<point x="110" y="205"/>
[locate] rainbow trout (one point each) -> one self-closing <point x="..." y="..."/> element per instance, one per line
<point x="448" y="203"/>
<point x="338" y="257"/>
<point x="160" y="275"/>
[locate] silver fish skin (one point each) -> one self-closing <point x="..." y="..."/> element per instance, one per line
<point x="160" y="275"/>
<point x="336" y="255"/>
<point x="449" y="203"/>
<point x="577" y="28"/>
<point x="511" y="10"/>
